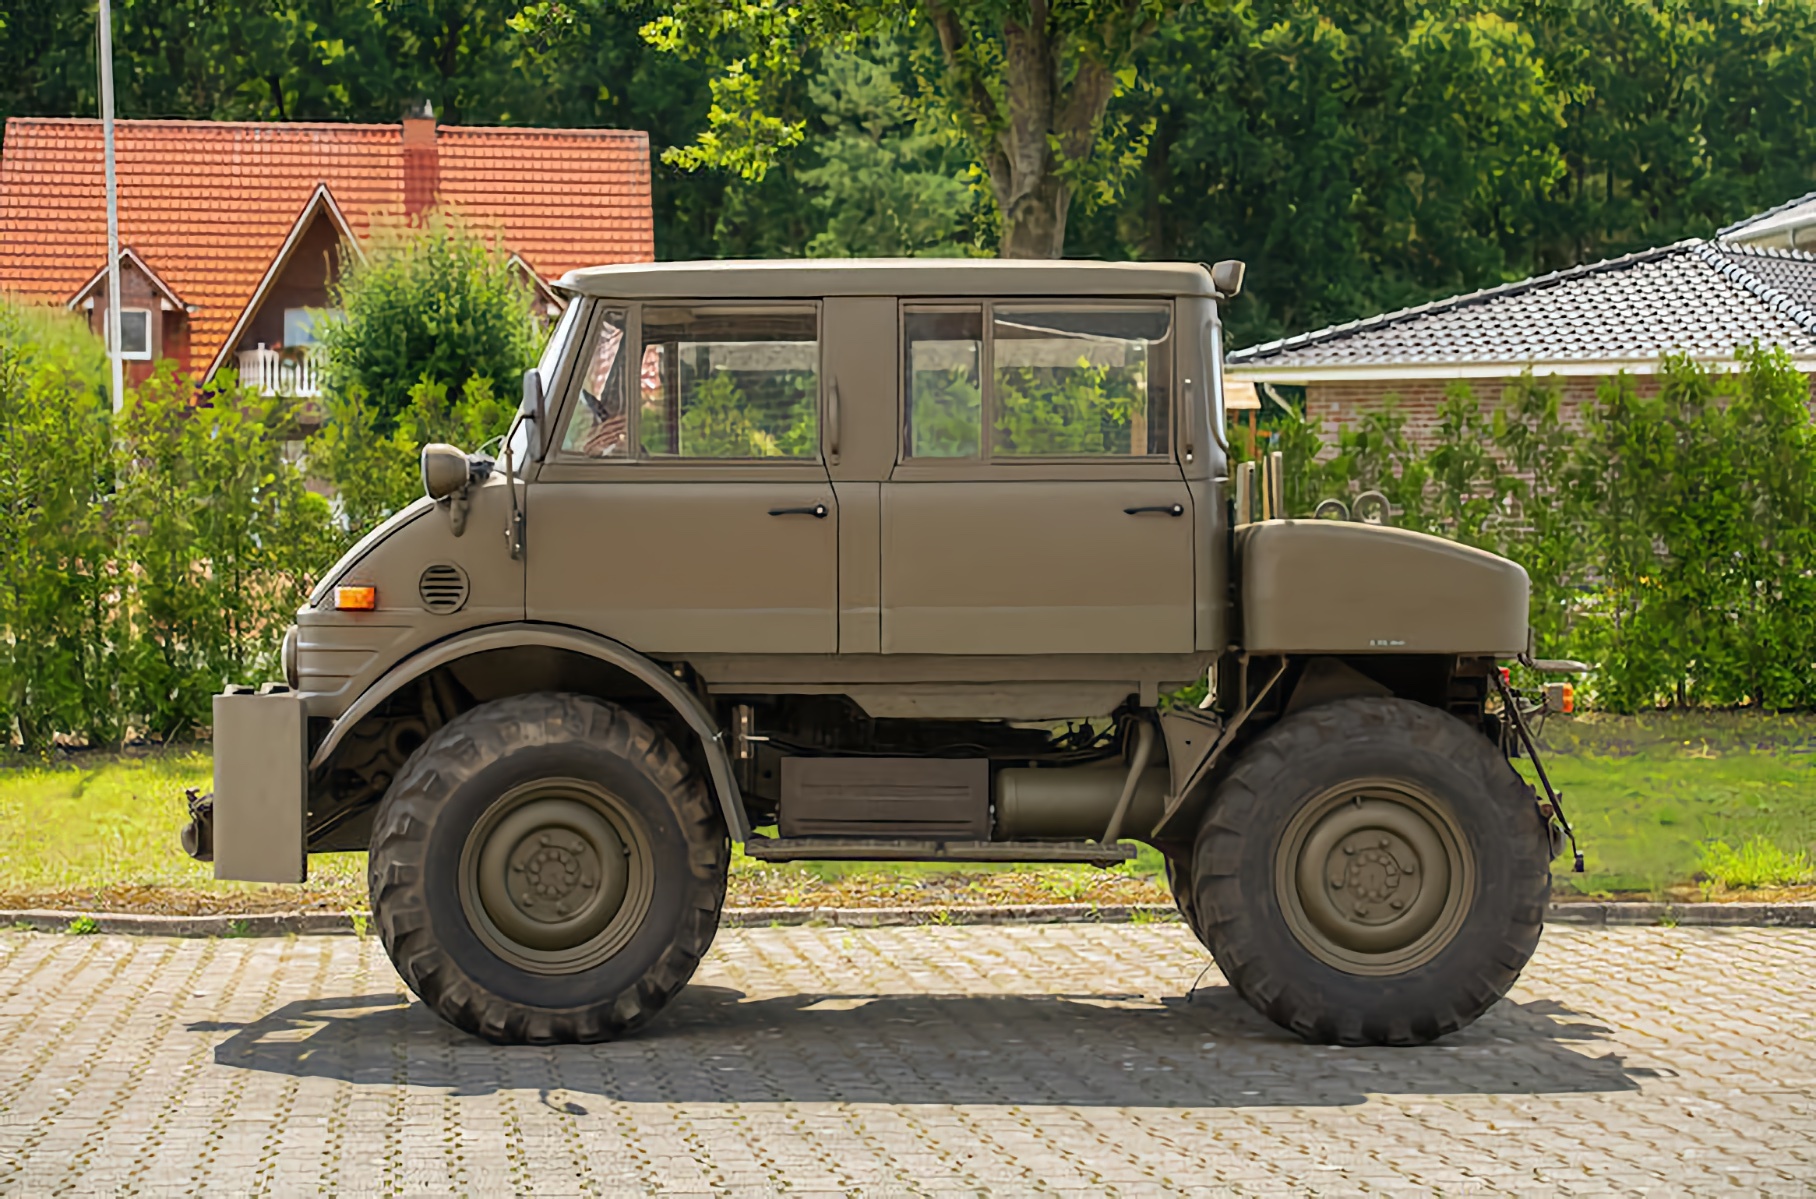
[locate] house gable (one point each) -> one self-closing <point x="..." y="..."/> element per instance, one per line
<point x="298" y="276"/>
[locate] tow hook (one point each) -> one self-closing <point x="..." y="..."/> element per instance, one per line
<point x="198" y="834"/>
<point x="1553" y="804"/>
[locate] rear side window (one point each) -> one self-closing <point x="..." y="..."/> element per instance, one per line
<point x="729" y="384"/>
<point x="1071" y="382"/>
<point x="945" y="360"/>
<point x="1008" y="381"/>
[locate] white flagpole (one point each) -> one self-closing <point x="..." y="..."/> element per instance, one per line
<point x="113" y="213"/>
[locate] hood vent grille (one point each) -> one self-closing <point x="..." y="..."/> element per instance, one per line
<point x="443" y="588"/>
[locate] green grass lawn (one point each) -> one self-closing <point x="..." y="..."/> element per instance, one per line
<point x="1649" y="796"/>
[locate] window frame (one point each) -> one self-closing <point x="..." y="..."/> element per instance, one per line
<point x="987" y="459"/>
<point x="150" y="338"/>
<point x="564" y="461"/>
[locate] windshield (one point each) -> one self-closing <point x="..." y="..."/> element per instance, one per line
<point x="547" y="368"/>
<point x="551" y="353"/>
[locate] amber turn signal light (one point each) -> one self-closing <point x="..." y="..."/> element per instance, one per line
<point x="355" y="599"/>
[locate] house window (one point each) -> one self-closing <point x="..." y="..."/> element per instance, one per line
<point x="135" y="333"/>
<point x="302" y="324"/>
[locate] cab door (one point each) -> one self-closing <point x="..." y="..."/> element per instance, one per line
<point x="1036" y="507"/>
<point x="686" y="507"/>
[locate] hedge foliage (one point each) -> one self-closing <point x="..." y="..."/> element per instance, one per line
<point x="1668" y="529"/>
<point x="145" y="560"/>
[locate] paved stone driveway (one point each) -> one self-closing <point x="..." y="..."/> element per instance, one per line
<point x="949" y="1060"/>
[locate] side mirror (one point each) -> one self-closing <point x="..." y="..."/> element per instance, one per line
<point x="531" y="409"/>
<point x="445" y="470"/>
<point x="1226" y="277"/>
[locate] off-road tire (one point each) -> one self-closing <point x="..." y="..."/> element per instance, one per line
<point x="1179" y="882"/>
<point x="444" y="793"/>
<point x="1293" y="771"/>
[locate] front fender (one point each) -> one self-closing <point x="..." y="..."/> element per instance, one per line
<point x="527" y="633"/>
<point x="1336" y="587"/>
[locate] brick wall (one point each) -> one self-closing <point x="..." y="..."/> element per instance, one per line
<point x="1338" y="405"/>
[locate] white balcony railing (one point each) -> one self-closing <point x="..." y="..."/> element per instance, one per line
<point x="280" y="372"/>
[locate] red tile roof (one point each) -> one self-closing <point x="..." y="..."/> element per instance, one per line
<point x="207" y="204"/>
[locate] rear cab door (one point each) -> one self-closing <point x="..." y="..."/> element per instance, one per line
<point x="1037" y="505"/>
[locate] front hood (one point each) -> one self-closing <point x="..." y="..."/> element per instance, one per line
<point x="365" y="545"/>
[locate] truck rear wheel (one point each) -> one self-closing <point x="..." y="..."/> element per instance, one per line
<point x="1371" y="872"/>
<point x="547" y="869"/>
<point x="1179" y="882"/>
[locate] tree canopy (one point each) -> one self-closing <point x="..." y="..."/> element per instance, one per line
<point x="1359" y="155"/>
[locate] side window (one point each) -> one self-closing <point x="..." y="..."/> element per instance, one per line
<point x="598" y="429"/>
<point x="1079" y="382"/>
<point x="945" y="381"/>
<point x="725" y="383"/>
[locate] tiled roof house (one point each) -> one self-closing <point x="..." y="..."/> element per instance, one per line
<point x="231" y="232"/>
<point x="1702" y="298"/>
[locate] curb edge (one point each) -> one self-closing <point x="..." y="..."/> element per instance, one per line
<point x="279" y="924"/>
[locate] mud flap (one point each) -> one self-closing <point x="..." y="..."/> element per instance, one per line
<point x="260" y="782"/>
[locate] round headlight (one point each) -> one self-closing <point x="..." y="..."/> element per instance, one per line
<point x="287" y="659"/>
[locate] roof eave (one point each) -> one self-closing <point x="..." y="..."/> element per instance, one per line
<point x="1386" y="372"/>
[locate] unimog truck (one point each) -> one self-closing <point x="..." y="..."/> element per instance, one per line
<point x="919" y="560"/>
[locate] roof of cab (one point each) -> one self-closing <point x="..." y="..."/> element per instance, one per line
<point x="816" y="277"/>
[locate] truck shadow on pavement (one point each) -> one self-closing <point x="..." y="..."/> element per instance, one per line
<point x="714" y="1045"/>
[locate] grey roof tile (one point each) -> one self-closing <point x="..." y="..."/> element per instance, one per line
<point x="1696" y="297"/>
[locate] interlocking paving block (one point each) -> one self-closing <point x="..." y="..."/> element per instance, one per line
<point x="1083" y="1059"/>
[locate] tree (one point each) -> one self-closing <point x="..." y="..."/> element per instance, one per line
<point x="432" y="299"/>
<point x="885" y="182"/>
<point x="1028" y="85"/>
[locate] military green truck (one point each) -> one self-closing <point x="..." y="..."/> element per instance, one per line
<point x="906" y="561"/>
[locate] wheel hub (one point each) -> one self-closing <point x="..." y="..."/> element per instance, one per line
<point x="1374" y="879"/>
<point x="1374" y="875"/>
<point x="548" y="876"/>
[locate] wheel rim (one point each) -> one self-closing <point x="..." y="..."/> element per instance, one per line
<point x="555" y="876"/>
<point x="1375" y="877"/>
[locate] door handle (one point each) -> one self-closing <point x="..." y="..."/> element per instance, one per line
<point x="832" y="420"/>
<point x="817" y="511"/>
<point x="1169" y="509"/>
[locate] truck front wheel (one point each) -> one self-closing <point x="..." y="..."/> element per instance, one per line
<point x="546" y="869"/>
<point x="1371" y="872"/>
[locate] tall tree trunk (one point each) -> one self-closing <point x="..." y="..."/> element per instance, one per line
<point x="1034" y="221"/>
<point x="1042" y="127"/>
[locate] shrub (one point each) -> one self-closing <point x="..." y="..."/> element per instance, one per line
<point x="57" y="572"/>
<point x="225" y="542"/>
<point x="376" y="473"/>
<point x="145" y="560"/>
<point x="432" y="299"/>
<point x="1671" y="540"/>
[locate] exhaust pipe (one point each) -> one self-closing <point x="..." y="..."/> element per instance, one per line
<point x="1075" y="803"/>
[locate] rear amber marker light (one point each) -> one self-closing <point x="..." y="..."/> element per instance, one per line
<point x="356" y="599"/>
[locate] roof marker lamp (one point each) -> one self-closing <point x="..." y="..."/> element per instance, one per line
<point x="355" y="599"/>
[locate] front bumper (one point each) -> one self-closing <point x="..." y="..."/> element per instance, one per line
<point x="261" y="755"/>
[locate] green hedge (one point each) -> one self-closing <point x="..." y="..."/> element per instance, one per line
<point x="1669" y="534"/>
<point x="145" y="560"/>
